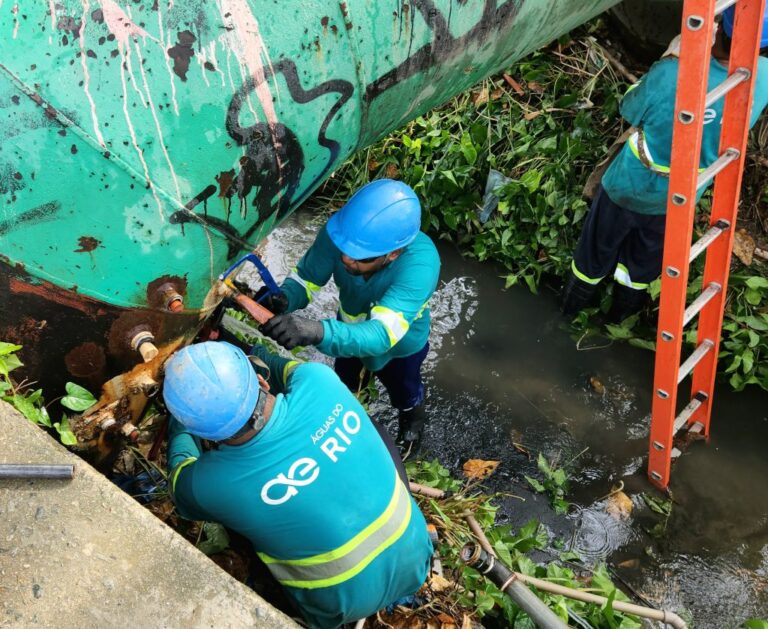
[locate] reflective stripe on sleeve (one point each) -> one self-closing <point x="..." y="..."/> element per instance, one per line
<point x="177" y="470"/>
<point x="289" y="367"/>
<point x="348" y="560"/>
<point x="350" y="318"/>
<point x="621" y="275"/>
<point x="308" y="286"/>
<point x="582" y="277"/>
<point x="395" y="322"/>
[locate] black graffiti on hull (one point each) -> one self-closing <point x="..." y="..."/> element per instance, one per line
<point x="274" y="159"/>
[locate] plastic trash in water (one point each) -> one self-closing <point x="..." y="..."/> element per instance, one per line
<point x="144" y="486"/>
<point x="490" y="200"/>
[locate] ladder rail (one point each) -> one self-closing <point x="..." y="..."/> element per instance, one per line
<point x="692" y="82"/>
<point x="737" y="111"/>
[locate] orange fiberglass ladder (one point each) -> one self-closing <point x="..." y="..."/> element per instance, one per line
<point x="684" y="180"/>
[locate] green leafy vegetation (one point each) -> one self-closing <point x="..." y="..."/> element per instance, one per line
<point x="464" y="591"/>
<point x="554" y="483"/>
<point x="546" y="125"/>
<point x="28" y="401"/>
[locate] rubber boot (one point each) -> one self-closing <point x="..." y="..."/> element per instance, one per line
<point x="577" y="295"/>
<point x="626" y="302"/>
<point x="411" y="425"/>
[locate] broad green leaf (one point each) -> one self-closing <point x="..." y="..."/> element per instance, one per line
<point x="216" y="538"/>
<point x="757" y="323"/>
<point x="757" y="282"/>
<point x="66" y="435"/>
<point x="9" y="362"/>
<point x="8" y="348"/>
<point x="747" y="360"/>
<point x="78" y="398"/>
<point x="756" y="623"/>
<point x="753" y="296"/>
<point x="535" y="484"/>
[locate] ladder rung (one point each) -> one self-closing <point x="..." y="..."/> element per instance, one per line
<point x="706" y="295"/>
<point x="739" y="76"/>
<point x="694" y="359"/>
<point x="697" y="428"/>
<point x="730" y="155"/>
<point x="675" y="453"/>
<point x="692" y="406"/>
<point x="707" y="239"/>
<point x="722" y="5"/>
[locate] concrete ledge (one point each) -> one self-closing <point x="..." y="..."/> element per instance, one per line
<point x="84" y="554"/>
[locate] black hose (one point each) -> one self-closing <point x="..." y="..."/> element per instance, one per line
<point x="60" y="472"/>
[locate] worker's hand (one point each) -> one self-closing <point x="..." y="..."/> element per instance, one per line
<point x="277" y="304"/>
<point x="291" y="330"/>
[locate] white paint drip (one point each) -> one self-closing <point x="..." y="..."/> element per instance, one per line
<point x="140" y="152"/>
<point x="127" y="60"/>
<point x="166" y="45"/>
<point x="160" y="138"/>
<point x="87" y="76"/>
<point x="202" y="59"/>
<point x="52" y="9"/>
<point x="215" y="63"/>
<point x="15" y="11"/>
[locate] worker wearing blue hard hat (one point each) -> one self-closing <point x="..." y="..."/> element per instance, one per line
<point x="386" y="270"/>
<point x="624" y="230"/>
<point x="305" y="475"/>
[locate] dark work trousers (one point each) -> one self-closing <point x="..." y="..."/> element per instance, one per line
<point x="401" y="378"/>
<point x="615" y="239"/>
<point x="393" y="451"/>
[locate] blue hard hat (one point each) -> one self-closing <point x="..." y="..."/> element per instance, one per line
<point x="728" y="19"/>
<point x="382" y="216"/>
<point x="211" y="388"/>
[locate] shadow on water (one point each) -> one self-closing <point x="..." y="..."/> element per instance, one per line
<point x="503" y="369"/>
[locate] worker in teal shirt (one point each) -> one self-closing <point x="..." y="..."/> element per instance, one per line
<point x="386" y="270"/>
<point x="304" y="475"/>
<point x="624" y="230"/>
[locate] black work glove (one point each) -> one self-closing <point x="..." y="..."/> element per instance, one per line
<point x="277" y="304"/>
<point x="291" y="331"/>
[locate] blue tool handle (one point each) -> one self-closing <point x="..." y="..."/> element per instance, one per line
<point x="266" y="276"/>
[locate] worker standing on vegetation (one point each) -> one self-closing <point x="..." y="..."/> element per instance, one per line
<point x="304" y="475"/>
<point x="624" y="230"/>
<point x="386" y="270"/>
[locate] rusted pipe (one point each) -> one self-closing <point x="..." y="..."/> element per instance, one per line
<point x="429" y="492"/>
<point x="664" y="616"/>
<point x="143" y="342"/>
<point x="23" y="471"/>
<point x="477" y="557"/>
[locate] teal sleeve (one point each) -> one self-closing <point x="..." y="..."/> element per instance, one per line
<point x="312" y="272"/>
<point x="296" y="294"/>
<point x="279" y="368"/>
<point x="389" y="319"/>
<point x="183" y="450"/>
<point x="760" y="94"/>
<point x="368" y="338"/>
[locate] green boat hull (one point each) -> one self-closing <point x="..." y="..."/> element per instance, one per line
<point x="146" y="144"/>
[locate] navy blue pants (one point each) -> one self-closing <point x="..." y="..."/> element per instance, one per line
<point x="625" y="242"/>
<point x="401" y="378"/>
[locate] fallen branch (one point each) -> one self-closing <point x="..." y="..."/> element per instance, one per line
<point x="615" y="63"/>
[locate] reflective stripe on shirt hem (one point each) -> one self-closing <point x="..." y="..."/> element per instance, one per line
<point x="348" y="560"/>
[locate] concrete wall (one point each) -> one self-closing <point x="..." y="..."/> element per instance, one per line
<point x="82" y="553"/>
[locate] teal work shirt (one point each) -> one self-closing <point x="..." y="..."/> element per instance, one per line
<point x="650" y="106"/>
<point x="317" y="494"/>
<point x="381" y="318"/>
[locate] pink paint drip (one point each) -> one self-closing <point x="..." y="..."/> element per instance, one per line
<point x="252" y="52"/>
<point x="15" y="11"/>
<point x="119" y="24"/>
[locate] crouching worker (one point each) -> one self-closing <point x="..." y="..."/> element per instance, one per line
<point x="303" y="474"/>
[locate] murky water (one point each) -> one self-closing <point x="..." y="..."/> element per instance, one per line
<point x="504" y="370"/>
